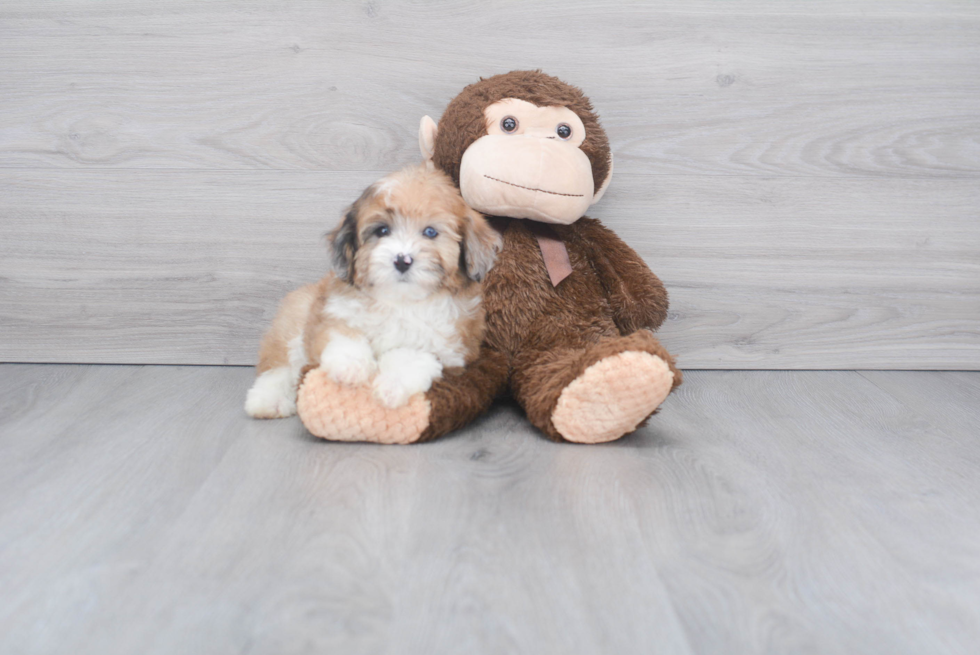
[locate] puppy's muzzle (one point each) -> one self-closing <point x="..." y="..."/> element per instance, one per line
<point x="403" y="262"/>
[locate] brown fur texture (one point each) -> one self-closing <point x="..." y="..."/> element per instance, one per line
<point x="463" y="122"/>
<point x="540" y="337"/>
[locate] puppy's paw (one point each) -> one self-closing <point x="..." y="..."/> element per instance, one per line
<point x="390" y="391"/>
<point x="404" y="373"/>
<point x="348" y="361"/>
<point x="273" y="395"/>
<point x="352" y="372"/>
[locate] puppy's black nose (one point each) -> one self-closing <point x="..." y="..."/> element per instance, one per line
<point x="402" y="262"/>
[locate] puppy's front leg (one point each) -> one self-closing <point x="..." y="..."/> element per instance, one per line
<point x="402" y="373"/>
<point x="348" y="359"/>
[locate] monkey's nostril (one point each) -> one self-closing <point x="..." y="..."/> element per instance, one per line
<point x="402" y="262"/>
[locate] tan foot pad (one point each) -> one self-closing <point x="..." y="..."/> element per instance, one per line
<point x="341" y="413"/>
<point x="612" y="397"/>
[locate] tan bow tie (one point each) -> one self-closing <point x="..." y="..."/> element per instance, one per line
<point x="553" y="250"/>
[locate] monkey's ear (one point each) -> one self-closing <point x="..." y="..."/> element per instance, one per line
<point x="427" y="140"/>
<point x="343" y="245"/>
<point x="605" y="182"/>
<point x="480" y="246"/>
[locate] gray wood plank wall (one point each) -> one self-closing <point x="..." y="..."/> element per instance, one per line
<point x="805" y="177"/>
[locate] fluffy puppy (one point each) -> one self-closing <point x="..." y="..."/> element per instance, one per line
<point x="401" y="303"/>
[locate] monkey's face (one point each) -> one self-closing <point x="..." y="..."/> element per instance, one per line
<point x="529" y="164"/>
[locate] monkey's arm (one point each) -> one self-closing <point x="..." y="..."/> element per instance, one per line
<point x="637" y="296"/>
<point x="462" y="394"/>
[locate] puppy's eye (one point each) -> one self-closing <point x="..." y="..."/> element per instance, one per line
<point x="508" y="124"/>
<point x="382" y="231"/>
<point x="564" y="130"/>
<point x="430" y="233"/>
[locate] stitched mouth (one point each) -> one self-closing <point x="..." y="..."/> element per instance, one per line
<point x="519" y="186"/>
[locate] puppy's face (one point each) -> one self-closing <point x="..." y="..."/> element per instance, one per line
<point x="409" y="235"/>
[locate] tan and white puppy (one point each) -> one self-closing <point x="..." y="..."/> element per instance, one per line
<point x="401" y="304"/>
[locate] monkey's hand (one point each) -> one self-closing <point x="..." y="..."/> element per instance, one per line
<point x="637" y="296"/>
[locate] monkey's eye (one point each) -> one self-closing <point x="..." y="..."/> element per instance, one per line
<point x="508" y="124"/>
<point x="430" y="233"/>
<point x="382" y="231"/>
<point x="564" y="130"/>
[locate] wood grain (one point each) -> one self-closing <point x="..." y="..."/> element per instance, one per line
<point x="823" y="512"/>
<point x="185" y="267"/>
<point x="801" y="175"/>
<point x="839" y="89"/>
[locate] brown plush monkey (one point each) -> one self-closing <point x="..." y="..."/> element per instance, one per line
<point x="570" y="308"/>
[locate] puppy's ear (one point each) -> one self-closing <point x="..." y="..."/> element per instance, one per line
<point x="343" y="244"/>
<point x="343" y="239"/>
<point x="480" y="246"/>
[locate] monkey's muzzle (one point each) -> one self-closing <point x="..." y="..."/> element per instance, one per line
<point x="521" y="176"/>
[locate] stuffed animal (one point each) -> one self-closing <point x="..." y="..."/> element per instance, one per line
<point x="570" y="308"/>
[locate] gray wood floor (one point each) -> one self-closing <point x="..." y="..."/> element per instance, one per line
<point x="782" y="512"/>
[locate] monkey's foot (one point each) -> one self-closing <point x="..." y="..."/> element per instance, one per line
<point x="612" y="397"/>
<point x="343" y="413"/>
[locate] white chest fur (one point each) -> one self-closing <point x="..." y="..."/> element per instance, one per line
<point x="428" y="325"/>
